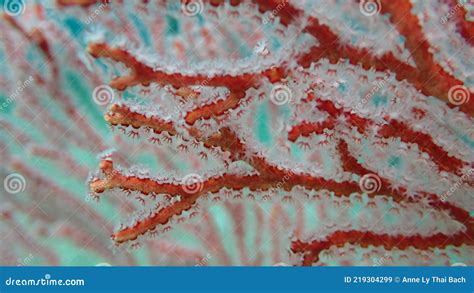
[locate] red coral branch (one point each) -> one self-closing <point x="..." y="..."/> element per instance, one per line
<point x="269" y="177"/>
<point x="391" y="129"/>
<point x="83" y="3"/>
<point x="307" y="128"/>
<point x="312" y="250"/>
<point x="144" y="74"/>
<point x="428" y="77"/>
<point x="434" y="79"/>
<point x="465" y="28"/>
<point x="426" y="144"/>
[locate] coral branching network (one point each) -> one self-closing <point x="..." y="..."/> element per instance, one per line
<point x="239" y="132"/>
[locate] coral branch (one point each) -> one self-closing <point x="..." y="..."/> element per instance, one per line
<point x="144" y="74"/>
<point x="465" y="27"/>
<point x="269" y="177"/>
<point x="433" y="78"/>
<point x="336" y="120"/>
<point x="426" y="144"/>
<point x="216" y="108"/>
<point x="123" y="115"/>
<point x="307" y="128"/>
<point x="83" y="3"/>
<point x="312" y="249"/>
<point x="392" y="128"/>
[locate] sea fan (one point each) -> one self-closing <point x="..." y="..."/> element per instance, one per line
<point x="241" y="132"/>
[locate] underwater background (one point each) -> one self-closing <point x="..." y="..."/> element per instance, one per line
<point x="55" y="90"/>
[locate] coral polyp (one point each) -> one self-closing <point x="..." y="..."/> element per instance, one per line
<point x="240" y="132"/>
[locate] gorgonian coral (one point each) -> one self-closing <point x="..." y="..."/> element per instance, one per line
<point x="253" y="132"/>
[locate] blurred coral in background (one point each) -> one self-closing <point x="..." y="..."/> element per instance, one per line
<point x="212" y="132"/>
